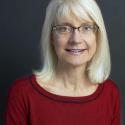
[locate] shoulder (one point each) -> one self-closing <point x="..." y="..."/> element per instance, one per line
<point x="109" y="83"/>
<point x="18" y="97"/>
<point x="20" y="86"/>
<point x="111" y="88"/>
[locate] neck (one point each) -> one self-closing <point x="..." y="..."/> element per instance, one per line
<point x="73" y="78"/>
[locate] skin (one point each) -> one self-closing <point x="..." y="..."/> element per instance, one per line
<point x="70" y="78"/>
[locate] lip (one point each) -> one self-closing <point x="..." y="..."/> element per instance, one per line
<point x="75" y="52"/>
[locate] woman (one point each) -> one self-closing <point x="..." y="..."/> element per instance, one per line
<point x="73" y="86"/>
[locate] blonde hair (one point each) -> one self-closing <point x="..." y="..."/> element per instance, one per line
<point x="99" y="67"/>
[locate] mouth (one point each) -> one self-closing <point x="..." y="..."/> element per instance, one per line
<point x="75" y="51"/>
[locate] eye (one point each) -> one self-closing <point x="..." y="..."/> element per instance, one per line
<point x="63" y="29"/>
<point x="87" y="28"/>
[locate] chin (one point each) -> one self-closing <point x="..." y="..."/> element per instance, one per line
<point x="76" y="63"/>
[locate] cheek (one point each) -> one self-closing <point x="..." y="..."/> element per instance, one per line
<point x="93" y="47"/>
<point x="92" y="44"/>
<point x="58" y="44"/>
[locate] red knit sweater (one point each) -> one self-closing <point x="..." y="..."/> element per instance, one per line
<point x="30" y="104"/>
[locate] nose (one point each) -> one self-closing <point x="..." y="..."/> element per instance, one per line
<point x="75" y="37"/>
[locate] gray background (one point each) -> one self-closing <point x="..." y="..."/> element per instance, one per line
<point x="20" y="30"/>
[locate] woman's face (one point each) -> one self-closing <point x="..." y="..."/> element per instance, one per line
<point x="75" y="47"/>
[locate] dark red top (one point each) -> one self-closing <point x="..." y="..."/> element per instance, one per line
<point x="30" y="104"/>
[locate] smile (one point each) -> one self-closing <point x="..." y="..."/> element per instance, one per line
<point x="75" y="51"/>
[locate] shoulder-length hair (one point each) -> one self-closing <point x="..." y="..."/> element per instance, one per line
<point x="98" y="68"/>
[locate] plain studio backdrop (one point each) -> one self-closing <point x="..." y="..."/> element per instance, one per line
<point x="20" y="30"/>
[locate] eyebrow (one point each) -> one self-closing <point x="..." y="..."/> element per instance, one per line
<point x="66" y="23"/>
<point x="69" y="24"/>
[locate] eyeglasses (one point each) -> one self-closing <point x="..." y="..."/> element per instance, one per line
<point x="83" y="29"/>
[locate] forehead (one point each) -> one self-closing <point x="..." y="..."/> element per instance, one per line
<point x="73" y="21"/>
<point x="71" y="18"/>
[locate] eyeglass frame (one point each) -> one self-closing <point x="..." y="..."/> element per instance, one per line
<point x="95" y="26"/>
